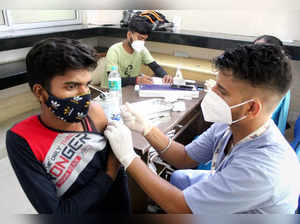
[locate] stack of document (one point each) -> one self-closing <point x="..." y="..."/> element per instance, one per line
<point x="154" y="108"/>
<point x="155" y="90"/>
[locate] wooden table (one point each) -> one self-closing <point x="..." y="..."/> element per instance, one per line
<point x="186" y="124"/>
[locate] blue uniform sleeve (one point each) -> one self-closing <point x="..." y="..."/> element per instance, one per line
<point x="39" y="188"/>
<point x="202" y="148"/>
<point x="237" y="188"/>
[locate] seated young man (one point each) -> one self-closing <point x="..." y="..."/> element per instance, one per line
<point x="130" y="54"/>
<point x="61" y="158"/>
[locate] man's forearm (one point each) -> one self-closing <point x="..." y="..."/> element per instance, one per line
<point x="157" y="69"/>
<point x="175" y="155"/>
<point x="167" y="196"/>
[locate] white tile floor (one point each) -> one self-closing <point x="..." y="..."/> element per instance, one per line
<point x="13" y="199"/>
<point x="4" y="126"/>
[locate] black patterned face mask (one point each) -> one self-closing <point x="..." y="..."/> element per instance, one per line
<point x="71" y="109"/>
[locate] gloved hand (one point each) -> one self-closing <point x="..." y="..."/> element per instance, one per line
<point x="120" y="140"/>
<point x="135" y="120"/>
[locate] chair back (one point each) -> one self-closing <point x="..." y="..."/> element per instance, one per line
<point x="281" y="112"/>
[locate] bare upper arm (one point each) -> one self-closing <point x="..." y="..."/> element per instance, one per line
<point x="98" y="117"/>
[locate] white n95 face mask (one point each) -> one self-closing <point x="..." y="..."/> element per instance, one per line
<point x="215" y="109"/>
<point x="138" y="45"/>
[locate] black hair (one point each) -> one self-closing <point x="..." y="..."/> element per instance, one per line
<point x="54" y="56"/>
<point x="268" y="39"/>
<point x="140" y="25"/>
<point x="259" y="65"/>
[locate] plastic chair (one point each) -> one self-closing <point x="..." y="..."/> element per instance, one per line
<point x="296" y="146"/>
<point x="296" y="140"/>
<point x="205" y="166"/>
<point x="298" y="209"/>
<point x="281" y="112"/>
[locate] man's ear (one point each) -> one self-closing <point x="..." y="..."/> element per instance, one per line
<point x="255" y="108"/>
<point x="39" y="92"/>
<point x="128" y="35"/>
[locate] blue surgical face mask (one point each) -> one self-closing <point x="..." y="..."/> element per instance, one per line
<point x="71" y="109"/>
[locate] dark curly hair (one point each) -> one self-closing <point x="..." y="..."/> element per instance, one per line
<point x="259" y="65"/>
<point x="140" y="25"/>
<point x="54" y="56"/>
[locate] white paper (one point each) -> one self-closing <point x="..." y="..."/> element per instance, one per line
<point x="157" y="80"/>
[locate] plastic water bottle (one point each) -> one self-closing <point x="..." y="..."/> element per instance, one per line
<point x="115" y="93"/>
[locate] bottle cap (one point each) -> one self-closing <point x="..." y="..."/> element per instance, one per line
<point x="114" y="68"/>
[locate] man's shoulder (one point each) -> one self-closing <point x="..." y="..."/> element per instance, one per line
<point x="116" y="52"/>
<point x="116" y="47"/>
<point x="147" y="54"/>
<point x="273" y="138"/>
<point x="32" y="130"/>
<point x="35" y="134"/>
<point x="146" y="51"/>
<point x="215" y="132"/>
<point x="219" y="126"/>
<point x="26" y="124"/>
<point x="270" y="149"/>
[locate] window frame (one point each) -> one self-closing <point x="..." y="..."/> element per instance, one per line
<point x="9" y="26"/>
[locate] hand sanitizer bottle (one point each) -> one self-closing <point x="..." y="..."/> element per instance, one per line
<point x="178" y="78"/>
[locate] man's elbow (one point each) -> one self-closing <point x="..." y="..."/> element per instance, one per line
<point x="178" y="208"/>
